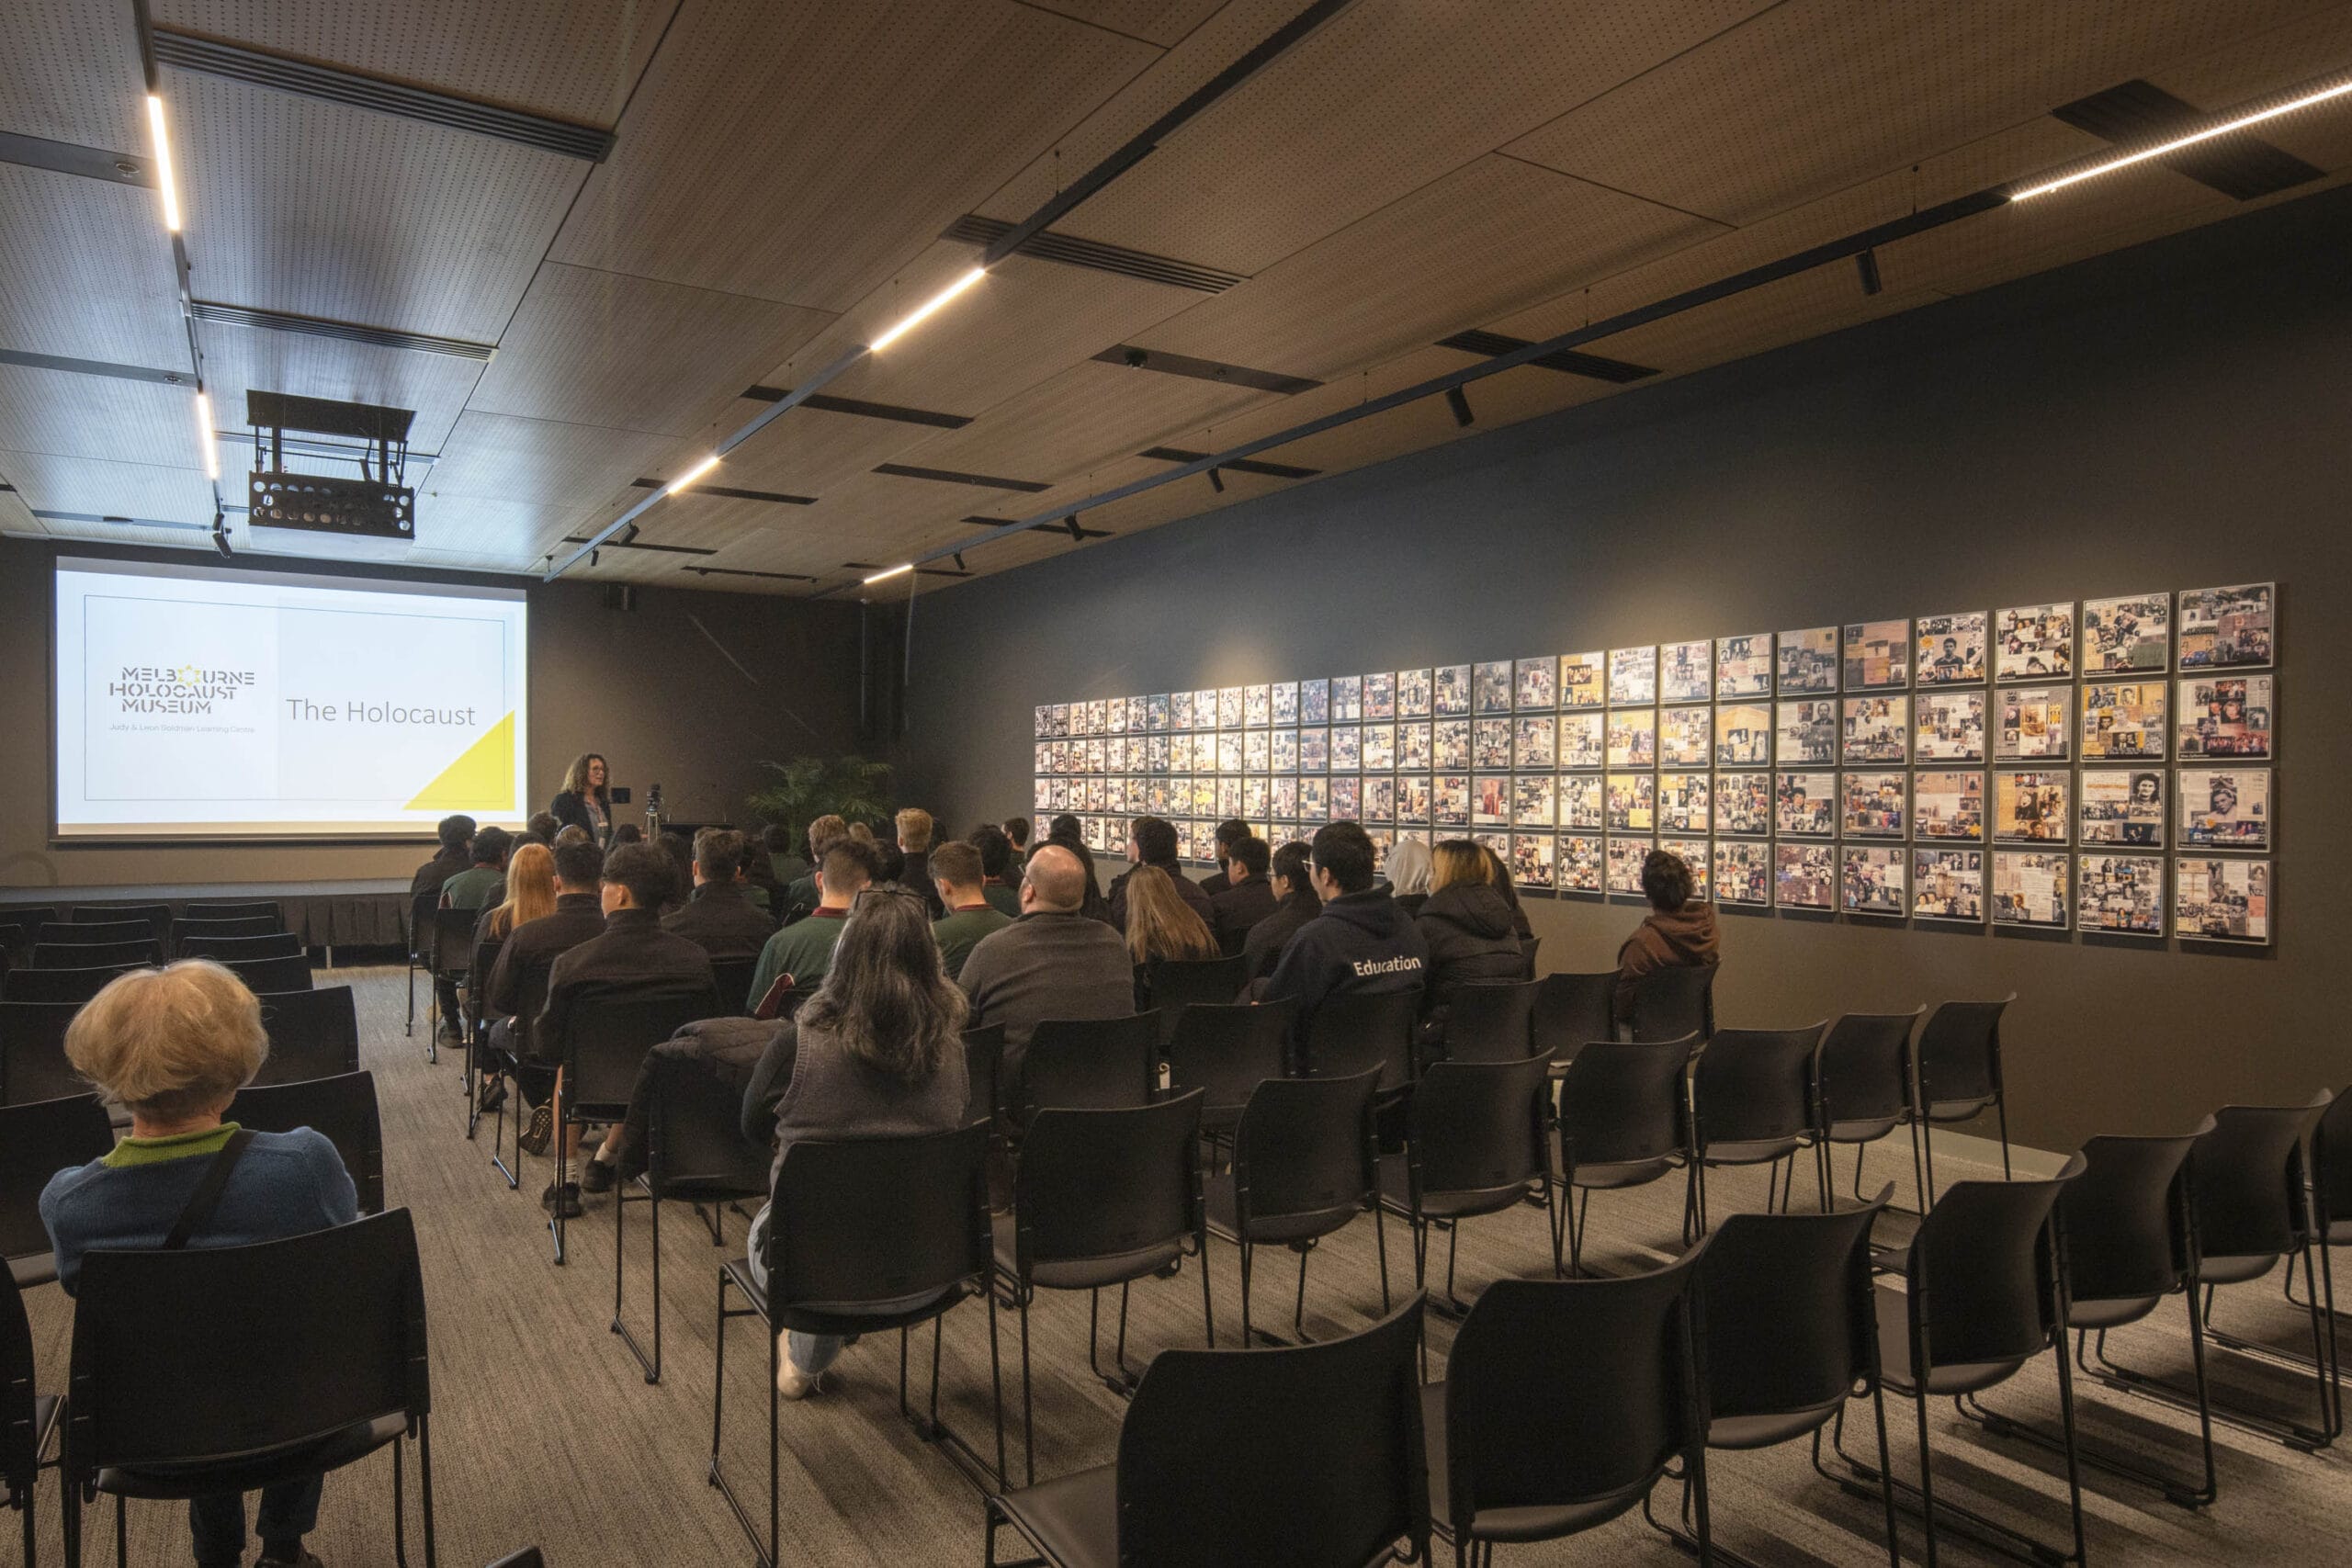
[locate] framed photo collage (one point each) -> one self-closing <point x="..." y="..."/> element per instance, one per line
<point x="2106" y="765"/>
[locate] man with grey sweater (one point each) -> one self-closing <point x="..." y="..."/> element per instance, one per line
<point x="1051" y="964"/>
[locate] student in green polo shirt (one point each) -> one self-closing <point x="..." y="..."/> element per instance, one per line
<point x="484" y="883"/>
<point x="956" y="871"/>
<point x="804" y="949"/>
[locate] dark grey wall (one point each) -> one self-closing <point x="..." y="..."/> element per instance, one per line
<point x="646" y="687"/>
<point x="2169" y="417"/>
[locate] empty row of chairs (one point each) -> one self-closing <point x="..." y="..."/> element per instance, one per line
<point x="313" y="1034"/>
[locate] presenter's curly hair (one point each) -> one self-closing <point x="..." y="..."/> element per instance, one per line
<point x="575" y="777"/>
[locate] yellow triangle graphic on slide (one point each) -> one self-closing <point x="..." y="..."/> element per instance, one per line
<point x="481" y="779"/>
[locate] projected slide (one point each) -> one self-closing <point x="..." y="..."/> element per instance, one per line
<point x="213" y="703"/>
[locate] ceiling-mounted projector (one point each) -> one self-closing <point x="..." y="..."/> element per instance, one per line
<point x="372" y="504"/>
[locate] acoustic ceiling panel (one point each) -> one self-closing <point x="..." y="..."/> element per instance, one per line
<point x="790" y="151"/>
<point x="491" y="457"/>
<point x="1081" y="419"/>
<point x="511" y="531"/>
<point x="107" y="489"/>
<point x="341" y="213"/>
<point x="85" y="271"/>
<point x="572" y="59"/>
<point x="69" y="415"/>
<point x="1161" y="22"/>
<point x="69" y="72"/>
<point x="811" y="451"/>
<point x="591" y="347"/>
<point x="16" y="519"/>
<point x="2259" y="63"/>
<point x="240" y="359"/>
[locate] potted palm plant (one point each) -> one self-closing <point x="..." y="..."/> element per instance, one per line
<point x="853" y="788"/>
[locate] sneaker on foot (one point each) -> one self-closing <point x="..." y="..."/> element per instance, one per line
<point x="567" y="1202"/>
<point x="491" y="1096"/>
<point x="300" y="1558"/>
<point x="597" y="1178"/>
<point x="542" y="1128"/>
<point x="794" y="1383"/>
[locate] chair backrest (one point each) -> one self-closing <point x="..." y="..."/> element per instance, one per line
<point x="1097" y="1183"/>
<point x="209" y="1353"/>
<point x="312" y="1034"/>
<point x="1754" y="1085"/>
<point x="1958" y="1050"/>
<point x="2249" y="1173"/>
<point x="1176" y="984"/>
<point x="877" y="1219"/>
<point x="1481" y="1126"/>
<point x="21" y="923"/>
<point x="422" y="907"/>
<point x="1623" y="1101"/>
<point x="94" y="930"/>
<point x="75" y="986"/>
<point x="232" y="909"/>
<point x="230" y="949"/>
<point x="1310" y="1456"/>
<point x="1677" y="1000"/>
<point x="341" y="1110"/>
<point x="32" y="1053"/>
<point x="2126" y="1217"/>
<point x="2332" y="1161"/>
<point x="453" y="939"/>
<point x="1353" y="1031"/>
<point x="1080" y="1063"/>
<point x="695" y="1145"/>
<point x="983" y="1065"/>
<point x="733" y="978"/>
<point x="1228" y="1049"/>
<point x="95" y="955"/>
<point x="1560" y="1391"/>
<point x="36" y="1141"/>
<point x="1982" y="1271"/>
<point x="610" y="1029"/>
<point x="155" y="918"/>
<point x="1491" y="1022"/>
<point x="1790" y="1312"/>
<point x="1865" y="1066"/>
<point x="1306" y="1146"/>
<point x="1572" y="1011"/>
<point x="273" y="973"/>
<point x="228" y="925"/>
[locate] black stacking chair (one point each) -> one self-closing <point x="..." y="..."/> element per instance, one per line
<point x="1564" y="1401"/>
<point x="858" y="1231"/>
<point x="156" y="918"/>
<point x="2131" y="1241"/>
<point x="531" y="994"/>
<point x="71" y="986"/>
<point x="1790" y="1319"/>
<point x="2253" y="1211"/>
<point x="228" y="926"/>
<point x="695" y="1152"/>
<point x="206" y="1370"/>
<point x="1352" y="1031"/>
<point x="1306" y="1163"/>
<point x="341" y="1109"/>
<point x="1227" y="1049"/>
<point x="312" y="1034"/>
<point x="20" y="926"/>
<point x="96" y="955"/>
<point x="422" y="907"/>
<point x="1529" y="946"/>
<point x="1085" y="1063"/>
<point x="1491" y="1022"/>
<point x="267" y="975"/>
<point x="480" y="1016"/>
<point x="1959" y="1071"/>
<point x="1624" y="1122"/>
<point x="1861" y="1092"/>
<point x="1309" y="1457"/>
<point x="1673" y="1002"/>
<point x="1103" y="1197"/>
<point x="608" y="1031"/>
<point x="233" y="949"/>
<point x="1177" y="984"/>
<point x="733" y="978"/>
<point x="452" y="959"/>
<point x="36" y="1141"/>
<point x="26" y="1416"/>
<point x="88" y="931"/>
<point x="2331" y="1199"/>
<point x="1476" y="1139"/>
<point x="233" y="910"/>
<point x="1752" y="1103"/>
<point x="1985" y="1294"/>
<point x="1571" y="1011"/>
<point x="32" y="1053"/>
<point x="983" y="1063"/>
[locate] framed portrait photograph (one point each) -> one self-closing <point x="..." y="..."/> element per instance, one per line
<point x="2031" y="807"/>
<point x="1633" y="677"/>
<point x="1584" y="680"/>
<point x="1451" y="691"/>
<point x="2035" y="642"/>
<point x="1686" y="737"/>
<point x="1180" y="711"/>
<point x="1228" y="798"/>
<point x="1416" y="800"/>
<point x="1535" y="742"/>
<point x="1116" y="715"/>
<point x="1804" y="805"/>
<point x="1693" y="853"/>
<point x="1286" y="798"/>
<point x="1450" y="801"/>
<point x="1531" y="857"/>
<point x="1382" y="839"/>
<point x="1579" y="797"/>
<point x="1284" y="751"/>
<point x="1806" y="731"/>
<point x="1877" y="730"/>
<point x="1686" y="671"/>
<point x="2226" y="716"/>
<point x="1743" y="872"/>
<point x="1744" y="666"/>
<point x="1315" y="702"/>
<point x="1950" y="650"/>
<point x="1158" y="713"/>
<point x="2221" y="900"/>
<point x="1044" y="721"/>
<point x="1257" y="751"/>
<point x="1157" y="750"/>
<point x="1347" y="798"/>
<point x="1577" y="868"/>
<point x="2225" y="808"/>
<point x="1875" y="805"/>
<point x="1257" y="799"/>
<point x="1631" y="803"/>
<point x="1060" y="718"/>
<point x="1228" y="751"/>
<point x="1493" y="686"/>
<point x="1743" y="804"/>
<point x="1380" y="696"/>
<point x="1534" y="800"/>
<point x="1743" y="736"/>
<point x="1949" y="726"/>
<point x="1625" y="858"/>
<point x="1414" y="751"/>
<point x="1808" y="661"/>
<point x="1584" y="741"/>
<point x="1874" y="882"/>
<point x="1633" y="737"/>
<point x="1205" y="709"/>
<point x="2130" y="636"/>
<point x="1683" y="803"/>
<point x="1315" y="751"/>
<point x="1537" y="685"/>
<point x="1379" y="798"/>
<point x="1379" y="748"/>
<point x="1314" y="798"/>
<point x="1452" y="744"/>
<point x="1229" y="707"/>
<point x="1285" y="702"/>
<point x="1948" y="805"/>
<point x="1948" y="885"/>
<point x="2033" y="724"/>
<point x="1804" y="877"/>
<point x="2029" y="889"/>
<point x="1877" y="654"/>
<point x="1257" y="706"/>
<point x="1347" y="748"/>
<point x="2222" y="628"/>
<point x="2124" y="721"/>
<point x="1347" y="699"/>
<point x="1414" y="694"/>
<point x="1487" y="839"/>
<point x="2122" y="894"/>
<point x="1040" y="798"/>
<point x="1491" y="741"/>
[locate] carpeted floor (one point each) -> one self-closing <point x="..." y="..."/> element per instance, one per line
<point x="544" y="1432"/>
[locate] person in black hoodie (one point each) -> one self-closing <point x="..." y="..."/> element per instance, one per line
<point x="1467" y="924"/>
<point x="1360" y="944"/>
<point x="1248" y="897"/>
<point x="1292" y="881"/>
<point x="1230" y="833"/>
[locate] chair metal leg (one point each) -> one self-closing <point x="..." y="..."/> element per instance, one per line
<point x="121" y="1532"/>
<point x="651" y="1365"/>
<point x="2279" y="1429"/>
<point x="1298" y="1309"/>
<point x="1380" y="1245"/>
<point x="2001" y="1107"/>
<point x="1208" y="1308"/>
<point x="425" y="1486"/>
<point x="1028" y="1412"/>
<point x="744" y="1519"/>
<point x="400" y="1513"/>
<point x="1921" y="1180"/>
<point x="1246" y="1259"/>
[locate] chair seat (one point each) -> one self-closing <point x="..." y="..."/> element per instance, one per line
<point x="1075" y="1518"/>
<point x="2236" y="1270"/>
<point x="1547" y="1522"/>
<point x="1084" y="1274"/>
<point x="1272" y="1229"/>
<point x="1625" y="1173"/>
<point x="1957" y="1110"/>
<point x="251" y="1472"/>
<point x="33" y="1269"/>
<point x="2338" y="1233"/>
<point x="1863" y="1129"/>
<point x="1753" y="1151"/>
<point x="1895" y="1356"/>
<point x="1766" y="1429"/>
<point x="1395" y="1184"/>
<point x="842" y="1318"/>
<point x="2110" y="1312"/>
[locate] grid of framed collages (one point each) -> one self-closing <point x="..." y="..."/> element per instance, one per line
<point x="2104" y="765"/>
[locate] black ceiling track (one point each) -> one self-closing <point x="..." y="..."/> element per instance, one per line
<point x="739" y="572"/>
<point x="779" y="497"/>
<point x="2243" y="166"/>
<point x="1244" y="465"/>
<point x="637" y="544"/>
<point x="1567" y="360"/>
<point x="347" y="331"/>
<point x="950" y="477"/>
<point x="336" y="85"/>
<point x="1083" y="531"/>
<point x="71" y="158"/>
<point x="827" y="404"/>
<point x="1167" y="364"/>
<point x="133" y="522"/>
<point x="96" y="368"/>
<point x="1070" y="251"/>
<point x="921" y="571"/>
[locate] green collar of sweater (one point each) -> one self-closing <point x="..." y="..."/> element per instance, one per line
<point x="179" y="1146"/>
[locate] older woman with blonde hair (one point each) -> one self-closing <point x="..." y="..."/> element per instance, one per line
<point x="173" y="1047"/>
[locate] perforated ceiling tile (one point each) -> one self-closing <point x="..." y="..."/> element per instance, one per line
<point x="69" y="72"/>
<point x="593" y="347"/>
<point x="71" y="415"/>
<point x="325" y="211"/>
<point x="108" y="489"/>
<point x="514" y="532"/>
<point x="16" y="519"/>
<point x="1085" y="414"/>
<point x="798" y="152"/>
<point x="1161" y="22"/>
<point x="1813" y="95"/>
<point x="85" y="271"/>
<point x="497" y="456"/>
<point x="2264" y="63"/>
<point x="811" y="451"/>
<point x="571" y="59"/>
<point x="242" y="359"/>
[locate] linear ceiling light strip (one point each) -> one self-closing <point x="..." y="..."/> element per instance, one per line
<point x="168" y="191"/>
<point x="2327" y="89"/>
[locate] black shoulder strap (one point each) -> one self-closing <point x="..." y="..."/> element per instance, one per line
<point x="206" y="1196"/>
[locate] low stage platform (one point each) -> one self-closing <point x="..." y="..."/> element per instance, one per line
<point x="354" y="914"/>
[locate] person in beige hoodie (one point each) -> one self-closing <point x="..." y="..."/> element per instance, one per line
<point x="1679" y="930"/>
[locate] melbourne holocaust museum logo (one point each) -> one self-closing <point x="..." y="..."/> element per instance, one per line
<point x="178" y="688"/>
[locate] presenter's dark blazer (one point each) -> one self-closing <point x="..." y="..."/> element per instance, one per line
<point x="571" y="810"/>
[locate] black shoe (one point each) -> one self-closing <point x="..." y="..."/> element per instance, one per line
<point x="491" y="1096"/>
<point x="300" y="1558"/>
<point x="567" y="1205"/>
<point x="541" y="1131"/>
<point x="597" y="1178"/>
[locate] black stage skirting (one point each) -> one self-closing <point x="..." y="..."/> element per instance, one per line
<point x="323" y="913"/>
